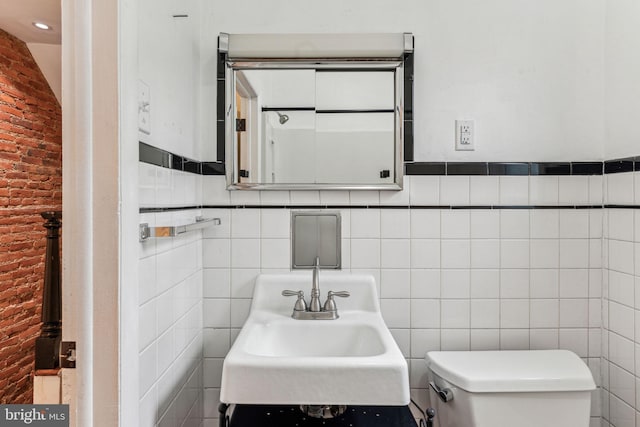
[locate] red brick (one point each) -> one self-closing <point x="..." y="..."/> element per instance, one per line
<point x="8" y="147"/>
<point x="30" y="182"/>
<point x="11" y="110"/>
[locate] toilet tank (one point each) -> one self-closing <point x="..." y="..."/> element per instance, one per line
<point x="510" y="388"/>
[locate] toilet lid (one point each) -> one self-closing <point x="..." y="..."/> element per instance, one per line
<point x="512" y="371"/>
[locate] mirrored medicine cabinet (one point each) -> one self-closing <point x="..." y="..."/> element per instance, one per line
<point x="315" y="111"/>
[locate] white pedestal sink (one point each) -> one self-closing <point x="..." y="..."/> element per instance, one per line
<point x="352" y="360"/>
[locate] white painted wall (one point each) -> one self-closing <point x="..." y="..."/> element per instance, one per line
<point x="91" y="204"/>
<point x="529" y="73"/>
<point x="49" y="59"/>
<point x="622" y="86"/>
<point x="169" y="58"/>
<point x="167" y="302"/>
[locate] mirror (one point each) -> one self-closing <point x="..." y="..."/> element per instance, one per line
<point x="306" y="123"/>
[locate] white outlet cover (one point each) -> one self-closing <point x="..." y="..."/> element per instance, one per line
<point x="465" y="140"/>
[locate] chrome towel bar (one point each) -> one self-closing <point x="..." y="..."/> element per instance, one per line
<point x="147" y="232"/>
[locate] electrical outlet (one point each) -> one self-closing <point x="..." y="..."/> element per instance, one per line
<point x="464" y="135"/>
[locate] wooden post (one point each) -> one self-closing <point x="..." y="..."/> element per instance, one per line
<point x="48" y="343"/>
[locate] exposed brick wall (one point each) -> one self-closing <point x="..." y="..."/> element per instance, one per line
<point x="30" y="182"/>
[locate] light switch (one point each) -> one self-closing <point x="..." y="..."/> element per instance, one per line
<point x="144" y="107"/>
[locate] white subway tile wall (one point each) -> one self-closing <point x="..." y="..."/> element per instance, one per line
<point x="171" y="375"/>
<point x="450" y="279"/>
<point x="484" y="190"/>
<point x="620" y="252"/>
<point x="543" y="190"/>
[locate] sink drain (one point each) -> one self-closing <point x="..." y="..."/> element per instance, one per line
<point x="323" y="411"/>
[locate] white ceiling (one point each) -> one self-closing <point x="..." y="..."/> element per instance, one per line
<point x="17" y="17"/>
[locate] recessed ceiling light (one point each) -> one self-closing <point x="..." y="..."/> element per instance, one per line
<point x="41" y="25"/>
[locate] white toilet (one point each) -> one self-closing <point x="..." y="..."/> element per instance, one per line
<point x="550" y="388"/>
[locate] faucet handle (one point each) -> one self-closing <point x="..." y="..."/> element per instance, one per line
<point x="288" y="293"/>
<point x="301" y="304"/>
<point x="343" y="294"/>
<point x="330" y="304"/>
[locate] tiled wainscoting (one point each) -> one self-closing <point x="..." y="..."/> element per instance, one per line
<point x="498" y="275"/>
<point x="463" y="262"/>
<point x="170" y="325"/>
<point x="621" y="302"/>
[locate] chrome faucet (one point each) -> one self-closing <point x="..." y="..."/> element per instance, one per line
<point x="315" y="305"/>
<point x="315" y="310"/>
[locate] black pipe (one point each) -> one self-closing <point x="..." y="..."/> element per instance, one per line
<point x="431" y="413"/>
<point x="222" y="410"/>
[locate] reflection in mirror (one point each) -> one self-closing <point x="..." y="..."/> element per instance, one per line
<point x="315" y="127"/>
<point x="307" y="123"/>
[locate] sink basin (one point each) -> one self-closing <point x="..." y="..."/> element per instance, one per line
<point x="352" y="360"/>
<point x="284" y="339"/>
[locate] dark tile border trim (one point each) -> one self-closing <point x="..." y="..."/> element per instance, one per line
<point x="425" y="168"/>
<point x="620" y="165"/>
<point x="159" y="157"/>
<point x="470" y="168"/>
<point x="550" y="168"/>
<point x="587" y="168"/>
<point x="415" y="207"/>
<point x="509" y="168"/>
<point x="220" y="104"/>
<point x="154" y="156"/>
<point x="213" y="168"/>
<point x="504" y="168"/>
<point x="169" y="209"/>
<point x="407" y="123"/>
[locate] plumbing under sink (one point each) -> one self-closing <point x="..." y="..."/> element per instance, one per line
<point x="352" y="360"/>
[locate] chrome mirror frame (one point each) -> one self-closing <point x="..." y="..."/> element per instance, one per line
<point x="403" y="125"/>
